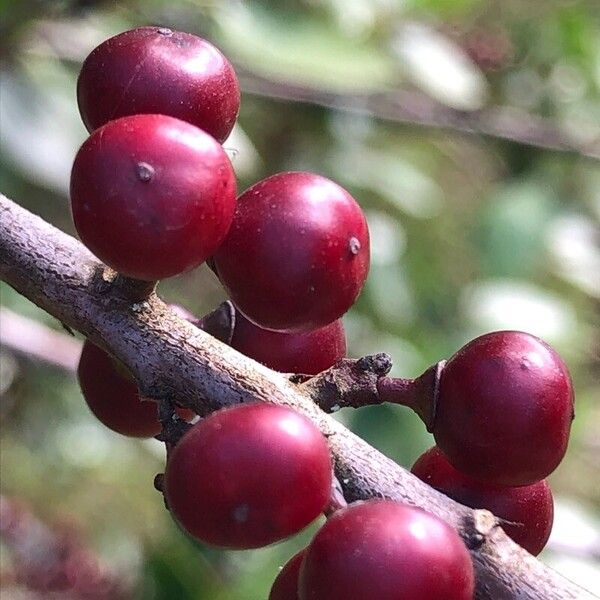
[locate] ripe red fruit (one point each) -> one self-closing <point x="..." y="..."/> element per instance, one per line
<point x="285" y="586"/>
<point x="153" y="70"/>
<point x="248" y="476"/>
<point x="505" y="409"/>
<point x="297" y="253"/>
<point x="113" y="396"/>
<point x="152" y="196"/>
<point x="389" y="551"/>
<point x="307" y="352"/>
<point x="528" y="510"/>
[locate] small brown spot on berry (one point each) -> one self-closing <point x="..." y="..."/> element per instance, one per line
<point x="354" y="245"/>
<point x="241" y="513"/>
<point x="144" y="171"/>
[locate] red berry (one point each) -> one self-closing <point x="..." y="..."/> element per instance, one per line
<point x="153" y="70"/>
<point x="113" y="396"/>
<point x="285" y="586"/>
<point x="297" y="253"/>
<point x="248" y="476"/>
<point x="528" y="510"/>
<point x="307" y="352"/>
<point x="152" y="196"/>
<point x="505" y="409"/>
<point x="388" y="551"/>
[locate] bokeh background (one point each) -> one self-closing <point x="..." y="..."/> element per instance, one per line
<point x="470" y="233"/>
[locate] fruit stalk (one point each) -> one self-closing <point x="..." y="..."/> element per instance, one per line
<point x="133" y="290"/>
<point x="420" y="394"/>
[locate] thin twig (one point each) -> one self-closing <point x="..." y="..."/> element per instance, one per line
<point x="408" y="107"/>
<point x="417" y="109"/>
<point x="37" y="341"/>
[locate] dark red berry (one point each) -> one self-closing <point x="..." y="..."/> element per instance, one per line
<point x="527" y="511"/>
<point x="297" y="253"/>
<point x="248" y="476"/>
<point x="113" y="396"/>
<point x="388" y="551"/>
<point x="505" y="409"/>
<point x="152" y="196"/>
<point x="285" y="586"/>
<point x="153" y="70"/>
<point x="307" y="352"/>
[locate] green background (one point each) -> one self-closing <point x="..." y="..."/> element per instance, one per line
<point x="469" y="234"/>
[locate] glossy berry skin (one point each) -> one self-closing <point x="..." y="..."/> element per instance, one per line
<point x="285" y="586"/>
<point x="308" y="352"/>
<point x="297" y="253"/>
<point x="248" y="476"/>
<point x="152" y="196"/>
<point x="528" y="510"/>
<point x="113" y="396"/>
<point x="389" y="551"/>
<point x="154" y="70"/>
<point x="505" y="409"/>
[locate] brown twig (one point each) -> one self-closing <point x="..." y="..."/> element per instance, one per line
<point x="364" y="382"/>
<point x="417" y="109"/>
<point x="171" y="358"/>
<point x="348" y="383"/>
<point x="31" y="339"/>
<point x="407" y="107"/>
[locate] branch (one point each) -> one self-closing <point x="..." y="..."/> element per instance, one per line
<point x="408" y="107"/>
<point x="174" y="360"/>
<point x="37" y="341"/>
<point x="415" y="108"/>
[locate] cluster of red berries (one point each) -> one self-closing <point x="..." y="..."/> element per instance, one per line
<point x="502" y="420"/>
<point x="153" y="195"/>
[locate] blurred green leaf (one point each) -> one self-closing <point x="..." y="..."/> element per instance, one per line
<point x="304" y="49"/>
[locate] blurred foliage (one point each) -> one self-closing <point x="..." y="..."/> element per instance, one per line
<point x="469" y="235"/>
